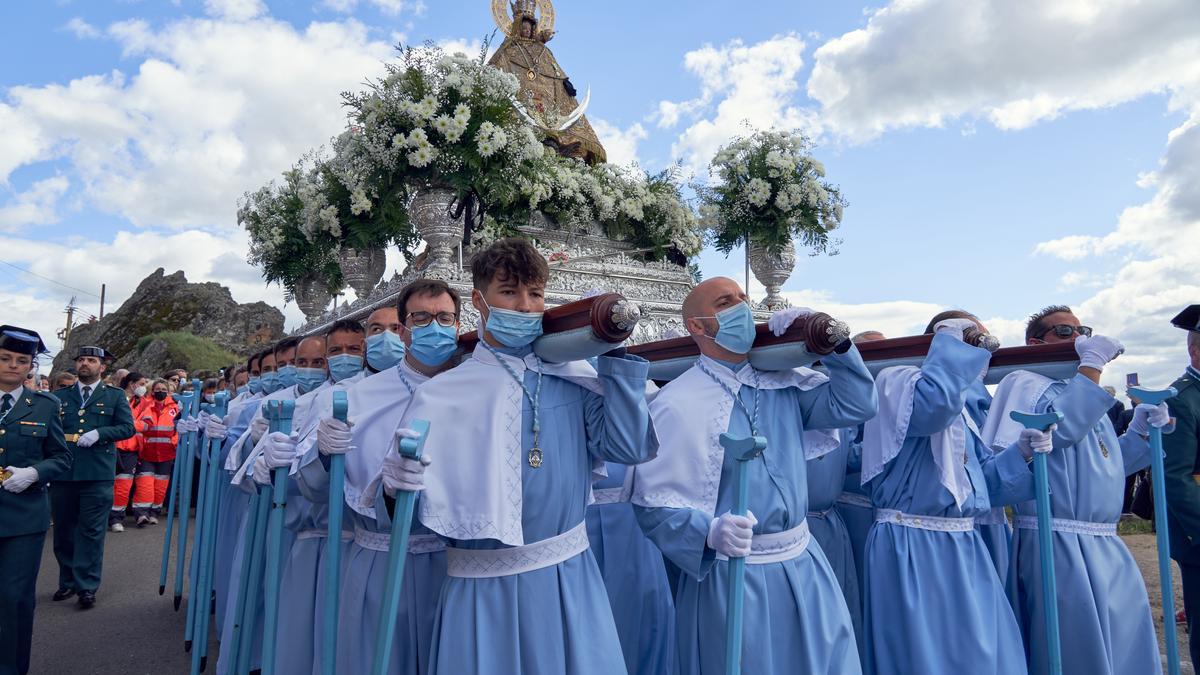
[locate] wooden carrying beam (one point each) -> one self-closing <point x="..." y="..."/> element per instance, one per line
<point x="580" y="329"/>
<point x="670" y="358"/>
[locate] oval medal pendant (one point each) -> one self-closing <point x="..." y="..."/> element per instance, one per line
<point x="535" y="457"/>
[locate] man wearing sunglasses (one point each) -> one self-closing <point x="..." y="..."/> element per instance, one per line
<point x="1104" y="613"/>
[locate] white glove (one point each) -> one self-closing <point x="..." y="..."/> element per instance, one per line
<point x="279" y="450"/>
<point x="88" y="439"/>
<point x="403" y="473"/>
<point x="955" y="328"/>
<point x="783" y="319"/>
<point x="215" y="429"/>
<point x="730" y="535"/>
<point x="259" y="471"/>
<point x="333" y="437"/>
<point x="257" y="428"/>
<point x="202" y="419"/>
<point x="21" y="478"/>
<point x="1036" y="440"/>
<point x="1097" y="351"/>
<point x="1146" y="416"/>
<point x="187" y="425"/>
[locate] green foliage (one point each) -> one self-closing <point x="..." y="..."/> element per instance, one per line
<point x="190" y="351"/>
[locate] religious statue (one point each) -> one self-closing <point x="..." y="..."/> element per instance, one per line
<point x="547" y="97"/>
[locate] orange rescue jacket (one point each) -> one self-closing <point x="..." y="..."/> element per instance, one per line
<point x="155" y="421"/>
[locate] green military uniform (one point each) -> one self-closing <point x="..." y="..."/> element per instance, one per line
<point x="83" y="496"/>
<point x="1182" y="484"/>
<point x="30" y="436"/>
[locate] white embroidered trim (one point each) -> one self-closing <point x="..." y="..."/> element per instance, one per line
<point x="381" y="541"/>
<point x="855" y="499"/>
<point x="1072" y="526"/>
<point x="993" y="517"/>
<point x="609" y="495"/>
<point x="777" y="546"/>
<point x="933" y="523"/>
<point x="502" y="562"/>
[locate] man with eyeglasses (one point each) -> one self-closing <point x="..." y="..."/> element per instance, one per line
<point x="425" y="323"/>
<point x="1104" y="613"/>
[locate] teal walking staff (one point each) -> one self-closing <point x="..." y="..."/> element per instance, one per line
<point x="188" y="405"/>
<point x="279" y="416"/>
<point x="743" y="450"/>
<point x="333" y="545"/>
<point x="206" y="532"/>
<point x="171" y="499"/>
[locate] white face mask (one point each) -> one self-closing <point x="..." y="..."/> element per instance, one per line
<point x="139" y="392"/>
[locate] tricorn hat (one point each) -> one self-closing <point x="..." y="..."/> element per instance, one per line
<point x="97" y="352"/>
<point x="1188" y="319"/>
<point x="21" y="341"/>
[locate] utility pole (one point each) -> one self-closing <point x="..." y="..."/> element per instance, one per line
<point x="66" y="335"/>
<point x="102" y="288"/>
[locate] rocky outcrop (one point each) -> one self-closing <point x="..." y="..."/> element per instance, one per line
<point x="169" y="303"/>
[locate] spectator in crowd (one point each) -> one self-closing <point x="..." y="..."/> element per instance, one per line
<point x="155" y="421"/>
<point x="119" y="376"/>
<point x="177" y="378"/>
<point x="128" y="450"/>
<point x="65" y="379"/>
<point x="43" y="383"/>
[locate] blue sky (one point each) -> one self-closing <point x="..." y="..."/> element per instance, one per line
<point x="994" y="159"/>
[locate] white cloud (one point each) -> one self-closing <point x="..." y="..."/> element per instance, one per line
<point x="215" y="107"/>
<point x="739" y="83"/>
<point x="390" y="7"/>
<point x="1071" y="247"/>
<point x="620" y="144"/>
<point x="927" y="62"/>
<point x="82" y="29"/>
<point x="235" y="10"/>
<point x="35" y="206"/>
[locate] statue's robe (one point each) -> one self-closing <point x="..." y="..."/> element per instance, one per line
<point x="934" y="603"/>
<point x="545" y="94"/>
<point x="1103" y="612"/>
<point x="795" y="618"/>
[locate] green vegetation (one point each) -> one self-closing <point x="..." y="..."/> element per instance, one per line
<point x="1134" y="525"/>
<point x="190" y="351"/>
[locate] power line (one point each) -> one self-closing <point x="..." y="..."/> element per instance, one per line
<point x="53" y="281"/>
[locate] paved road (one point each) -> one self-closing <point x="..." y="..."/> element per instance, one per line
<point x="131" y="630"/>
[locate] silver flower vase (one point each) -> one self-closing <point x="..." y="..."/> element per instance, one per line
<point x="362" y="269"/>
<point x="772" y="271"/>
<point x="312" y="297"/>
<point x="430" y="213"/>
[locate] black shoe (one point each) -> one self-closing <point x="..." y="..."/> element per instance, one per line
<point x="87" y="599"/>
<point x="62" y="594"/>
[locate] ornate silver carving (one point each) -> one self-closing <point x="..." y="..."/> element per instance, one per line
<point x="362" y="269"/>
<point x="626" y="314"/>
<point x="430" y="211"/>
<point x="772" y="271"/>
<point x="312" y="298"/>
<point x="838" y="331"/>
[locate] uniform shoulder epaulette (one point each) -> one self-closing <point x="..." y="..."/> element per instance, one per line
<point x="48" y="396"/>
<point x="1183" y="383"/>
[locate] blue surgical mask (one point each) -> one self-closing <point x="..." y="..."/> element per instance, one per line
<point x="254" y="385"/>
<point x="344" y="366"/>
<point x="270" y="382"/>
<point x="511" y="328"/>
<point x="384" y="350"/>
<point x="308" y="379"/>
<point x="735" y="330"/>
<point x="432" y="345"/>
<point x="287" y="376"/>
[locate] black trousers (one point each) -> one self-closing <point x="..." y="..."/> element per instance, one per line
<point x="20" y="558"/>
<point x="1191" y="606"/>
<point x="80" y="510"/>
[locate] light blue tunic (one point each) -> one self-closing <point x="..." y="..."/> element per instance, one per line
<point x="1103" y="612"/>
<point x="996" y="533"/>
<point x="858" y="517"/>
<point x="232" y="505"/>
<point x="636" y="582"/>
<point x="795" y="617"/>
<point x="555" y="620"/>
<point x="933" y="601"/>
<point x="826" y="476"/>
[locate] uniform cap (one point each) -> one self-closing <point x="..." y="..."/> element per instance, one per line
<point x="1188" y="319"/>
<point x="97" y="352"/>
<point x="21" y="341"/>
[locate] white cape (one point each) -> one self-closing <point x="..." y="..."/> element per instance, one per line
<point x="473" y="488"/>
<point x="1021" y="391"/>
<point x="690" y="414"/>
